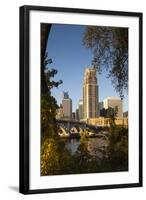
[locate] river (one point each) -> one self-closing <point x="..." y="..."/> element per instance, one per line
<point x="95" y="146"/>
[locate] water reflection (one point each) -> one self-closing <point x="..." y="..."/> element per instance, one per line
<point x="95" y="146"/>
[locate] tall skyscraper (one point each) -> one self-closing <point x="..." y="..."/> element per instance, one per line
<point x="114" y="102"/>
<point x="67" y="106"/>
<point x="77" y="114"/>
<point x="90" y="94"/>
<point x="65" y="95"/>
<point x="80" y="109"/>
<point x="73" y="115"/>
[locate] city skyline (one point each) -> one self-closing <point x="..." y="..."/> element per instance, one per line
<point x="88" y="135"/>
<point x="71" y="58"/>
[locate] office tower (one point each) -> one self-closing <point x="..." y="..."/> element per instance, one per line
<point x="67" y="106"/>
<point x="114" y="102"/>
<point x="77" y="114"/>
<point x="73" y="115"/>
<point x="80" y="109"/>
<point x="65" y="95"/>
<point x="90" y="94"/>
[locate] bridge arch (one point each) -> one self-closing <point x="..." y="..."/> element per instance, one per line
<point x="62" y="131"/>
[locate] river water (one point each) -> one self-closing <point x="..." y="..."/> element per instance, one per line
<point x="95" y="146"/>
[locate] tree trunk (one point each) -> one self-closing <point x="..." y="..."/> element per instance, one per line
<point x="45" y="30"/>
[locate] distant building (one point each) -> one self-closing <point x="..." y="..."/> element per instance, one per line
<point x="113" y="102"/>
<point x="73" y="115"/>
<point x="125" y="114"/>
<point x="80" y="109"/>
<point x="90" y="94"/>
<point x="77" y="114"/>
<point x="100" y="105"/>
<point x="65" y="95"/>
<point x="105" y="122"/>
<point x="67" y="106"/>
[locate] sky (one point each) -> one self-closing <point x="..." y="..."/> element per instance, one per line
<point x="70" y="58"/>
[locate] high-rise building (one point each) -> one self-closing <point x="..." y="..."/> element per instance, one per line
<point x="90" y="94"/>
<point x="80" y="109"/>
<point x="73" y="115"/>
<point x="65" y="95"/>
<point x="67" y="106"/>
<point x="114" y="102"/>
<point x="77" y="114"/>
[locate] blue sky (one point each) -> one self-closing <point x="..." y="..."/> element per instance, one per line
<point x="71" y="58"/>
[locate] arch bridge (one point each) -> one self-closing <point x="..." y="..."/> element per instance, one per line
<point x="73" y="127"/>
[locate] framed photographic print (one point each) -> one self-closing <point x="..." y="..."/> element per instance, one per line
<point x="80" y="99"/>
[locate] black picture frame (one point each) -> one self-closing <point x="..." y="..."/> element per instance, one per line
<point x="24" y="98"/>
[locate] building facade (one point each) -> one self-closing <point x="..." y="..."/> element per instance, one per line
<point x="73" y="115"/>
<point x="80" y="109"/>
<point x="105" y="122"/>
<point x="77" y="114"/>
<point x="114" y="102"/>
<point x="67" y="106"/>
<point x="90" y="94"/>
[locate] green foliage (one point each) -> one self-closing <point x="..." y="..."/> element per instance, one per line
<point x="117" y="159"/>
<point x="48" y="113"/>
<point x="118" y="148"/>
<point x="49" y="74"/>
<point x="82" y="159"/>
<point x="110" y="51"/>
<point x="48" y="103"/>
<point x="55" y="158"/>
<point x="110" y="113"/>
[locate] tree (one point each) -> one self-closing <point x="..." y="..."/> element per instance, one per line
<point x="110" y="52"/>
<point x="49" y="128"/>
<point x="110" y="113"/>
<point x="48" y="102"/>
<point x="118" y="148"/>
<point x="45" y="30"/>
